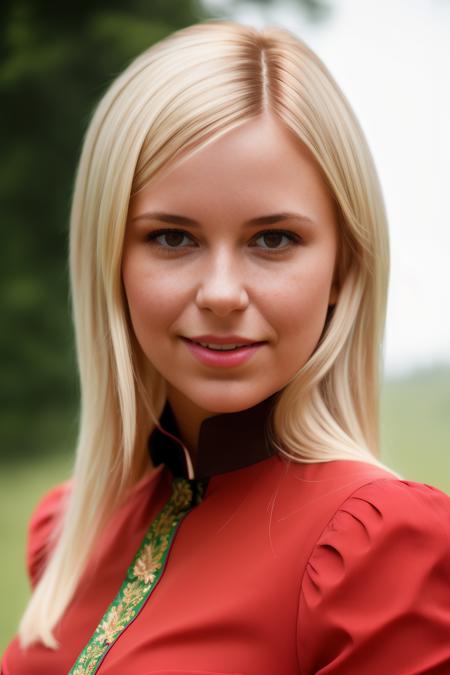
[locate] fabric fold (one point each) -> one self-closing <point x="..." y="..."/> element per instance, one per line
<point x="376" y="590"/>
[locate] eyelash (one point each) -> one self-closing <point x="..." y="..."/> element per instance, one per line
<point x="151" y="237"/>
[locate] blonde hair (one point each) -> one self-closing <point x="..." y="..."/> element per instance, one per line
<point x="179" y="95"/>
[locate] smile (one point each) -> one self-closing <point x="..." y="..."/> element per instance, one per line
<point x="222" y="356"/>
<point x="217" y="347"/>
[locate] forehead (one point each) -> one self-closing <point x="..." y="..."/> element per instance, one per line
<point x="259" y="167"/>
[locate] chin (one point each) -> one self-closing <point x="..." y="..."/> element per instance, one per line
<point x="229" y="400"/>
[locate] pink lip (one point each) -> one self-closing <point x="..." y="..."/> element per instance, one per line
<point x="223" y="339"/>
<point x="222" y="359"/>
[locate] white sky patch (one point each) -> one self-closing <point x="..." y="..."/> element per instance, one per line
<point x="391" y="58"/>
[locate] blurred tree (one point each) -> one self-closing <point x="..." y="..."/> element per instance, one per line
<point x="56" y="61"/>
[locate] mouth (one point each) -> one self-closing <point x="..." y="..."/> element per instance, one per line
<point x="215" y="355"/>
<point x="224" y="347"/>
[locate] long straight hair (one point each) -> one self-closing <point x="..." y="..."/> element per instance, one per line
<point x="179" y="95"/>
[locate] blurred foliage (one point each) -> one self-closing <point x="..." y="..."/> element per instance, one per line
<point x="56" y="60"/>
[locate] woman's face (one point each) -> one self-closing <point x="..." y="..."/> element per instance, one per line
<point x="267" y="282"/>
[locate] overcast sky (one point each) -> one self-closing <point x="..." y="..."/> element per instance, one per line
<point x="392" y="60"/>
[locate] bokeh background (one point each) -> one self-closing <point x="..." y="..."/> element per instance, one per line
<point x="391" y="59"/>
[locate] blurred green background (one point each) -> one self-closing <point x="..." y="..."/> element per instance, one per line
<point x="56" y="61"/>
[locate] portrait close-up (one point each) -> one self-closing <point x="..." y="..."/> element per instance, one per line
<point x="226" y="419"/>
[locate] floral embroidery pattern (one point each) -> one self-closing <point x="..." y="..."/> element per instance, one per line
<point x="142" y="576"/>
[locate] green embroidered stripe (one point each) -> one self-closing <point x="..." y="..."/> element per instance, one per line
<point x="142" y="576"/>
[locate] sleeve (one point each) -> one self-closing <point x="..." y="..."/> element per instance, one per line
<point x="375" y="595"/>
<point x="42" y="527"/>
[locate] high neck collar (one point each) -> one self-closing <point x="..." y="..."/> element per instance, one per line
<point x="226" y="442"/>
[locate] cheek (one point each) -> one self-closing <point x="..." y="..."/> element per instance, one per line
<point x="299" y="307"/>
<point x="152" y="300"/>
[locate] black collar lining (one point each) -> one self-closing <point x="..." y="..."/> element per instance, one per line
<point x="227" y="441"/>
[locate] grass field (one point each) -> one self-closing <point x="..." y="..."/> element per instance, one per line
<point x="415" y="416"/>
<point x="416" y="443"/>
<point x="21" y="485"/>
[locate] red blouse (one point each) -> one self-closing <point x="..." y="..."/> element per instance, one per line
<point x="279" y="568"/>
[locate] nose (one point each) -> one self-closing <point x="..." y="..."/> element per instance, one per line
<point x="220" y="288"/>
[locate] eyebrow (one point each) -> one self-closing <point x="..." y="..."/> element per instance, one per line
<point x="260" y="220"/>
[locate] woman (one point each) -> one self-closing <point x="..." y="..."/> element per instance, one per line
<point x="227" y="511"/>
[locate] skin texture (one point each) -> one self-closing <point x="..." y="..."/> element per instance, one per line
<point x="225" y="277"/>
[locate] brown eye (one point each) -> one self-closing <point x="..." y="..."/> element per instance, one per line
<point x="272" y="239"/>
<point x="173" y="238"/>
<point x="168" y="239"/>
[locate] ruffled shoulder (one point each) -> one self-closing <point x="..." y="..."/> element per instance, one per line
<point x="375" y="595"/>
<point x="41" y="527"/>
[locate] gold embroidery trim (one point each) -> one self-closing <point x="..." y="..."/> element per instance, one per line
<point x="142" y="576"/>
